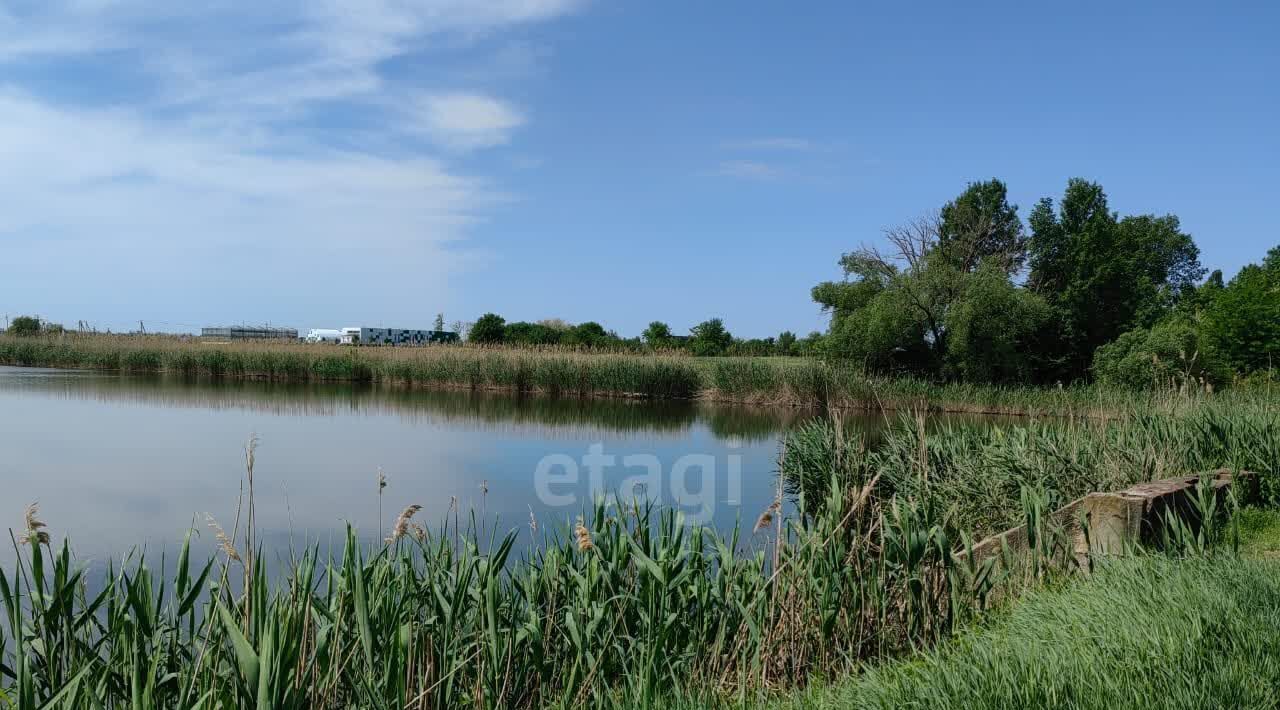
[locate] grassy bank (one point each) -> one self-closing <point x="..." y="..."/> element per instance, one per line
<point x="1146" y="632"/>
<point x="621" y="607"/>
<point x="789" y="381"/>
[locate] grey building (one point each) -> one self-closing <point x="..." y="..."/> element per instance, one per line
<point x="249" y="332"/>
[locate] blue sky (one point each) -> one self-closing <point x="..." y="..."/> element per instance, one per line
<point x="321" y="164"/>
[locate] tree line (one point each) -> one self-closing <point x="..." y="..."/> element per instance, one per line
<point x="969" y="293"/>
<point x="708" y="338"/>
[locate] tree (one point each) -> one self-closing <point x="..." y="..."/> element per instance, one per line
<point x="981" y="226"/>
<point x="555" y="323"/>
<point x="889" y="312"/>
<point x="1104" y="275"/>
<point x="439" y="325"/>
<point x="589" y="334"/>
<point x="488" y="329"/>
<point x="1243" y="320"/>
<point x="657" y="335"/>
<point x="811" y="345"/>
<point x="752" y="347"/>
<point x="950" y="311"/>
<point x="993" y="329"/>
<point x="786" y="344"/>
<point x="530" y="334"/>
<point x="710" y="338"/>
<point x="1196" y="301"/>
<point x="24" y="326"/>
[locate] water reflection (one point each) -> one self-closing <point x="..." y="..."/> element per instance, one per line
<point x="119" y="462"/>
<point x="475" y="411"/>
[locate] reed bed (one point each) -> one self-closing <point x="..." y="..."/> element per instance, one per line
<point x="620" y="606"/>
<point x="576" y="373"/>
<point x="979" y="471"/>
<point x="620" y="611"/>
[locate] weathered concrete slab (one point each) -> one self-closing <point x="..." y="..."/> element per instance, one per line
<point x="1115" y="522"/>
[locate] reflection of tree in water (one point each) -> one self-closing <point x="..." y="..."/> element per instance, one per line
<point x="482" y="410"/>
<point x="752" y="423"/>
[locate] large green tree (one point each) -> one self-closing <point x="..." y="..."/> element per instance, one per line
<point x="657" y="335"/>
<point x="710" y="337"/>
<point x="980" y="226"/>
<point x="488" y="329"/>
<point x="1243" y="319"/>
<point x="1104" y="275"/>
<point x="589" y="334"/>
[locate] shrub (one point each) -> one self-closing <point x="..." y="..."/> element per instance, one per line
<point x="1172" y="354"/>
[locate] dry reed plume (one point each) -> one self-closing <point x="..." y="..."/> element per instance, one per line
<point x="582" y="535"/>
<point x="34" y="525"/>
<point x="224" y="542"/>
<point x="766" y="518"/>
<point x="403" y="524"/>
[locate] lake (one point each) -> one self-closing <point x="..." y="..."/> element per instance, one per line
<point x="121" y="462"/>
<point x="129" y="462"/>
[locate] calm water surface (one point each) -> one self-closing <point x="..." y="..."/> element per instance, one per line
<point x="126" y="462"/>
<point x="122" y="462"/>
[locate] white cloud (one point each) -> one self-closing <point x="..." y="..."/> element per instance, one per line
<point x="256" y="155"/>
<point x="749" y="170"/>
<point x="464" y="121"/>
<point x="771" y="144"/>
<point x="114" y="204"/>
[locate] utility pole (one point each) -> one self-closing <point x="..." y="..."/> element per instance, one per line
<point x="142" y="328"/>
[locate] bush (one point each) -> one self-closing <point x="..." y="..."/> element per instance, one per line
<point x="1171" y="354"/>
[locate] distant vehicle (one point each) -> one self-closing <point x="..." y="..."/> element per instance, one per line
<point x="324" y="335"/>
<point x="395" y="336"/>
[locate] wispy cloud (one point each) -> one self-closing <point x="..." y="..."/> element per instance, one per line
<point x="465" y="121"/>
<point x="269" y="139"/>
<point x="771" y="144"/>
<point x="749" y="170"/>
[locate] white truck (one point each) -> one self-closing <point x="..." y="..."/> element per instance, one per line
<point x="324" y="335"/>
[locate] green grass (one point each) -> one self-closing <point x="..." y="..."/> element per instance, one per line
<point x="1145" y="632"/>
<point x="1260" y="532"/>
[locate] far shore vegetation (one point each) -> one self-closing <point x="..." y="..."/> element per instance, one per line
<point x="785" y="381"/>
<point x="967" y="307"/>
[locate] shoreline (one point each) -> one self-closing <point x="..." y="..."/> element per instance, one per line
<point x="746" y="381"/>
